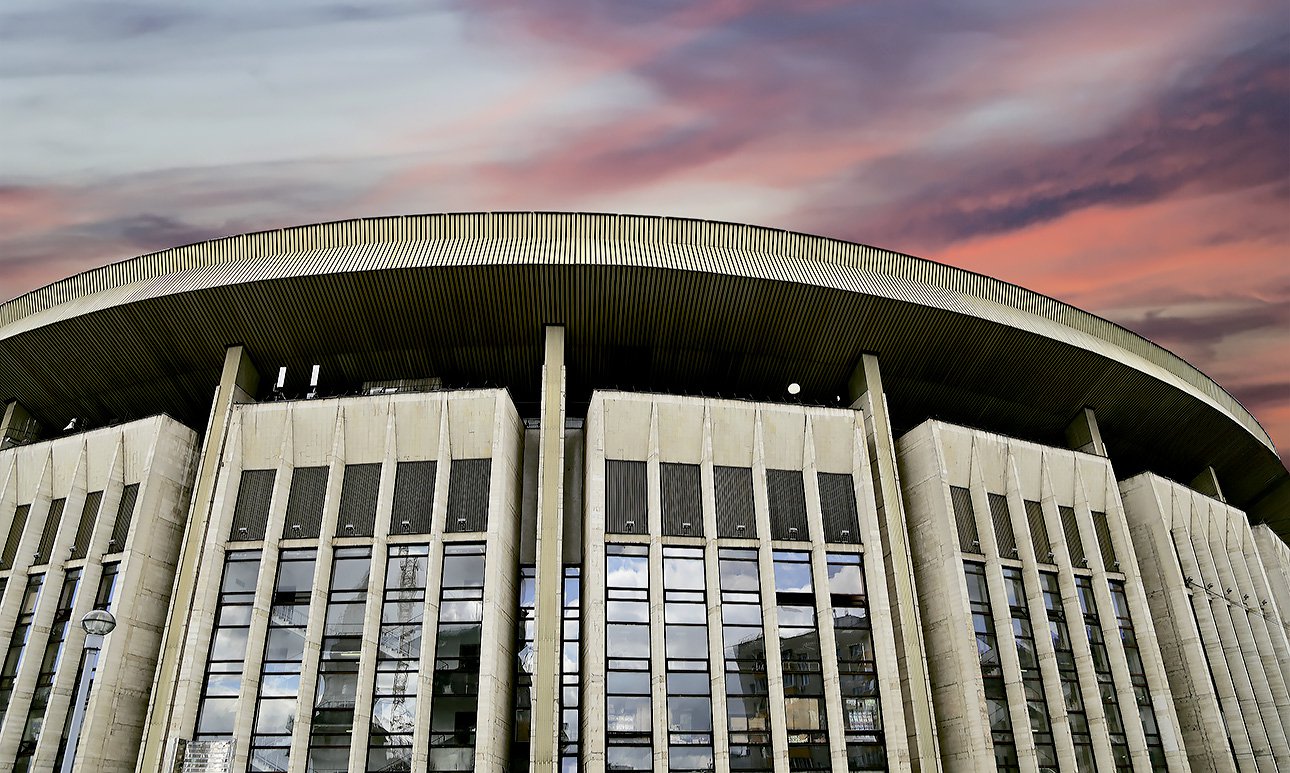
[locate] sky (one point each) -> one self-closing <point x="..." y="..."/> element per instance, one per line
<point x="1132" y="159"/>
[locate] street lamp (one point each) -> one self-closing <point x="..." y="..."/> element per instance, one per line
<point x="96" y="623"/>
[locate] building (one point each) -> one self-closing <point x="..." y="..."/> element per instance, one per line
<point x="556" y="492"/>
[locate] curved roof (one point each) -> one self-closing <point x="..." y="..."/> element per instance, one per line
<point x="652" y="303"/>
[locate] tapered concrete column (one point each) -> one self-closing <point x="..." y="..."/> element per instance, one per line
<point x="17" y="425"/>
<point x="1207" y="484"/>
<point x="867" y="395"/>
<point x="1082" y="434"/>
<point x="238" y="383"/>
<point x="550" y="539"/>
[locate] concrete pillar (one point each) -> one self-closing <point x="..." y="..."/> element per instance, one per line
<point x="1207" y="483"/>
<point x="545" y="749"/>
<point x="866" y="394"/>
<point x="238" y="383"/>
<point x="1082" y="434"/>
<point x="712" y="585"/>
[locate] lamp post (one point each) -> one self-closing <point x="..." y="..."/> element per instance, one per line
<point x="97" y="623"/>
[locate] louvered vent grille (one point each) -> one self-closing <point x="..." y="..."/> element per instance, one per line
<point x="251" y="512"/>
<point x="736" y="516"/>
<point x="1039" y="532"/>
<point x="838" y="505"/>
<point x="1070" y="530"/>
<point x="16" y="526"/>
<point x="682" y="502"/>
<point x="1003" y="535"/>
<point x="965" y="520"/>
<point x="468" y="495"/>
<point x="85" y="528"/>
<point x="357" y="516"/>
<point x="124" y="515"/>
<point x="626" y="497"/>
<point x="50" y="532"/>
<point x="413" y="511"/>
<point x="787" y="499"/>
<point x="1103" y="529"/>
<point x="305" y="503"/>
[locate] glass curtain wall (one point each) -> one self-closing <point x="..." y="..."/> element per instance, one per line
<point x="455" y="701"/>
<point x="284" y="651"/>
<point x="217" y="712"/>
<point x="744" y="639"/>
<point x="398" y="660"/>
<point x="857" y="668"/>
<point x="685" y="638"/>
<point x="987" y="646"/>
<point x="799" y="647"/>
<point x="628" y="719"/>
<point x="332" y="724"/>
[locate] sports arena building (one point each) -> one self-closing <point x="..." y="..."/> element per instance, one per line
<point x="558" y="492"/>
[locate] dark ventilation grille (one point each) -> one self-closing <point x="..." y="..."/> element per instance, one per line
<point x="1103" y="529"/>
<point x="838" y="504"/>
<point x="1070" y="528"/>
<point x="787" y="499"/>
<point x="15" y="536"/>
<point x="251" y="512"/>
<point x="468" y="494"/>
<point x="50" y="532"/>
<point x="305" y="503"/>
<point x="357" y="516"/>
<point x="413" y="498"/>
<point x="1039" y="532"/>
<point x="124" y="514"/>
<point x="626" y="496"/>
<point x="736" y="516"/>
<point x="682" y="502"/>
<point x="965" y="520"/>
<point x="1003" y="536"/>
<point x="85" y="529"/>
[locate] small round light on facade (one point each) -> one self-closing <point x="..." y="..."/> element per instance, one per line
<point x="98" y="622"/>
<point x="794" y="388"/>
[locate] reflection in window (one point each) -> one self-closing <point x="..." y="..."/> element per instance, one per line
<point x="455" y="700"/>
<point x="342" y="641"/>
<point x="398" y="660"/>
<point x="224" y="662"/>
<point x="18" y="642"/>
<point x="685" y="641"/>
<point x="284" y="648"/>
<point x="1076" y="715"/>
<point x="1032" y="681"/>
<point x="571" y="671"/>
<point x="747" y="701"/>
<point x="1105" y="681"/>
<point x="857" y="670"/>
<point x="799" y="647"/>
<point x="996" y="695"/>
<point x="525" y="663"/>
<point x="88" y="667"/>
<point x="48" y="667"/>
<point x="628" y="722"/>
<point x="1137" y="676"/>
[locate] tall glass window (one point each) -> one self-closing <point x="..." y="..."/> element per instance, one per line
<point x="628" y="723"/>
<point x="799" y="648"/>
<point x="858" y="673"/>
<point x="744" y="639"/>
<point x="88" y="668"/>
<point x="1137" y="676"/>
<point x="284" y="649"/>
<point x="455" y="702"/>
<point x="18" y="642"/>
<point x="525" y="663"/>
<point x="217" y="711"/>
<point x="398" y="660"/>
<point x="685" y="641"/>
<point x="571" y="671"/>
<point x="1032" y="680"/>
<point x="342" y="642"/>
<point x="1067" y="672"/>
<point x="48" y="668"/>
<point x="1105" y="681"/>
<point x="987" y="646"/>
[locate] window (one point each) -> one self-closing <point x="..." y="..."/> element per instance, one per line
<point x="217" y="711"/>
<point x="996" y="695"/>
<point x="48" y="668"/>
<point x="18" y="641"/>
<point x="1105" y="680"/>
<point x="284" y="649"/>
<point x="1032" y="681"/>
<point x="685" y="637"/>
<point x="628" y="716"/>
<point x="799" y="648"/>
<point x="342" y="642"/>
<point x="858" y="673"/>
<point x="747" y="701"/>
<point x="571" y="670"/>
<point x="398" y="659"/>
<point x="455" y="701"/>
